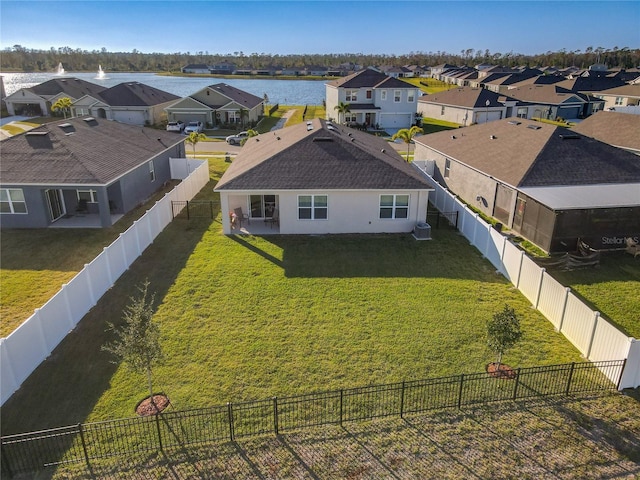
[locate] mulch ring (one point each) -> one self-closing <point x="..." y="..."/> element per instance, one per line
<point x="152" y="406"/>
<point x="503" y="371"/>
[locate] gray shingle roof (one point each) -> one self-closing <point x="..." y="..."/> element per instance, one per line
<point x="466" y="97"/>
<point x="74" y="87"/>
<point x="618" y="129"/>
<point x="86" y="152"/>
<point x="246" y="99"/>
<point x="369" y="78"/>
<point x="522" y="156"/>
<point x="135" y="94"/>
<point x="321" y="158"/>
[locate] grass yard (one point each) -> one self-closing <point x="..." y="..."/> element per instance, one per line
<point x="246" y="317"/>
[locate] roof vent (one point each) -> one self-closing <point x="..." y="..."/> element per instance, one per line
<point x="65" y="125"/>
<point x="69" y="133"/>
<point x="39" y="133"/>
<point x="353" y="139"/>
<point x="89" y="119"/>
<point x="330" y="127"/>
<point x="492" y="137"/>
<point x="309" y="123"/>
<point x="277" y="138"/>
<point x="309" y="127"/>
<point x="514" y="122"/>
<point x="383" y="150"/>
<point x="534" y="127"/>
<point x="453" y="137"/>
<point x="569" y="136"/>
<point x="323" y="139"/>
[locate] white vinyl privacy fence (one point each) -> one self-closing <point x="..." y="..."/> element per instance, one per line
<point x="594" y="336"/>
<point x="34" y="340"/>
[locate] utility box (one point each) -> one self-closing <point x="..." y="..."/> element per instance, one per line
<point x="422" y="231"/>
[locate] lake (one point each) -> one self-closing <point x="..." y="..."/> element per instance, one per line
<point x="287" y="92"/>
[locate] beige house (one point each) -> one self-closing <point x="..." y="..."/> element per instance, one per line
<point x="218" y="104"/>
<point x="321" y="178"/>
<point x="624" y="96"/>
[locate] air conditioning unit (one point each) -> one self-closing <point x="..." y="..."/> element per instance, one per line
<point x="422" y="231"/>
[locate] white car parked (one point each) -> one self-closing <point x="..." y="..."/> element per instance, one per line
<point x="175" y="126"/>
<point x="193" y="127"/>
<point x="237" y="138"/>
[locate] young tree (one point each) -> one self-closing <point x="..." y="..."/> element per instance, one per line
<point x="63" y="104"/>
<point x="138" y="340"/>
<point x="503" y="332"/>
<point x="194" y="138"/>
<point x="406" y="135"/>
<point x="342" y="108"/>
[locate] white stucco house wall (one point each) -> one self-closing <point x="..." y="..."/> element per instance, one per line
<point x="322" y="178"/>
<point x="374" y="99"/>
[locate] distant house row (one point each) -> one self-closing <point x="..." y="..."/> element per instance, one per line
<point x="232" y="69"/>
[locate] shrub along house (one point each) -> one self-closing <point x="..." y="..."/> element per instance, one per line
<point x="549" y="184"/>
<point x="82" y="172"/>
<point x="319" y="178"/>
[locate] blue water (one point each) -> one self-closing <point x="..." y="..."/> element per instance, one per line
<point x="286" y="92"/>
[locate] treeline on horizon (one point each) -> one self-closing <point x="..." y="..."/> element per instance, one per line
<point x="19" y="58"/>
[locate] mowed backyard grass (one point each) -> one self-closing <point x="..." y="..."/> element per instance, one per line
<point x="245" y="317"/>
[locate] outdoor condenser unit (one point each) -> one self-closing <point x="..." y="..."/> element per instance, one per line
<point x="422" y="231"/>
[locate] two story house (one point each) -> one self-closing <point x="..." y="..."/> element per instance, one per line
<point x="374" y="100"/>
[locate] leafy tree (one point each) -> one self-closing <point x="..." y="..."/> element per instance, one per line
<point x="503" y="332"/>
<point x="250" y="133"/>
<point x="63" y="104"/>
<point x="138" y="340"/>
<point x="406" y="135"/>
<point x="194" y="138"/>
<point x="343" y="109"/>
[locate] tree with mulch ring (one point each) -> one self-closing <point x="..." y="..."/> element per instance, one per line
<point x="503" y="332"/>
<point x="137" y="344"/>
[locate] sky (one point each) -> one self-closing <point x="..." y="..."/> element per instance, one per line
<point x="327" y="26"/>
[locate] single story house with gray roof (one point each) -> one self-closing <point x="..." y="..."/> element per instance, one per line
<point x="321" y="178"/>
<point x="548" y="184"/>
<point x="82" y="172"/>
<point x="621" y="130"/>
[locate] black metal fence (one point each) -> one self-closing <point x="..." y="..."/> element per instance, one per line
<point x="169" y="430"/>
<point x="194" y="209"/>
<point x="434" y="217"/>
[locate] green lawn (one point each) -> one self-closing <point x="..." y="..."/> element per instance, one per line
<point x="246" y="317"/>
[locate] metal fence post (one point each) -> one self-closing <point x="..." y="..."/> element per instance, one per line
<point x="573" y="366"/>
<point x="341" y="399"/>
<point x="460" y="390"/>
<point x="624" y="364"/>
<point x="515" y="388"/>
<point x="159" y="431"/>
<point x="402" y="401"/>
<point x="188" y="217"/>
<point x="84" y="445"/>
<point x="275" y="415"/>
<point x="230" y="413"/>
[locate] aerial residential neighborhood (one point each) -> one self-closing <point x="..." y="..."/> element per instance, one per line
<point x="261" y="256"/>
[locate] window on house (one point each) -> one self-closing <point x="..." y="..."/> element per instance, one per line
<point x="351" y="95"/>
<point x="411" y="96"/>
<point x="89" y="196"/>
<point x="350" y="117"/>
<point x="397" y="96"/>
<point x="152" y="171"/>
<point x="12" y="201"/>
<point x="522" y="112"/>
<point x="394" y="206"/>
<point x="619" y="100"/>
<point x="312" y="207"/>
<point x="369" y="94"/>
<point x="383" y="94"/>
<point x="447" y="168"/>
<point x="442" y="110"/>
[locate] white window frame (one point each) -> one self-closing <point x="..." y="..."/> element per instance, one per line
<point x="7" y="196"/>
<point x="397" y="96"/>
<point x="350" y="117"/>
<point x="447" y="167"/>
<point x="521" y="112"/>
<point x="383" y="95"/>
<point x="314" y="208"/>
<point x="395" y="207"/>
<point x="152" y="171"/>
<point x="351" y="95"/>
<point x="93" y="195"/>
<point x="411" y="96"/>
<point x="619" y="100"/>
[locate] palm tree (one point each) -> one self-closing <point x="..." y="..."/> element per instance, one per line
<point x="243" y="113"/>
<point x="194" y="138"/>
<point x="406" y="135"/>
<point x="63" y="104"/>
<point x="342" y="108"/>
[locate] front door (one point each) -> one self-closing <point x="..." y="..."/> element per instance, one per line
<point x="55" y="204"/>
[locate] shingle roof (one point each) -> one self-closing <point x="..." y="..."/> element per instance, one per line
<point x="86" y="152"/>
<point x="541" y="156"/>
<point x="618" y="129"/>
<point x="324" y="157"/>
<point x="631" y="91"/>
<point x="590" y="84"/>
<point x="239" y="96"/>
<point x="466" y="97"/>
<point x="549" y="94"/>
<point x="369" y="78"/>
<point x="135" y="94"/>
<point x="74" y="87"/>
